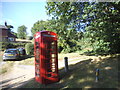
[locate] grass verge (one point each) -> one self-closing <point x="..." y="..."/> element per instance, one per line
<point x="82" y="75"/>
<point x="6" y="67"/>
<point x="30" y="60"/>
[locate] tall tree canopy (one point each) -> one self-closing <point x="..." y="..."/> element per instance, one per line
<point x="38" y="26"/>
<point x="100" y="22"/>
<point x="21" y="32"/>
<point x="67" y="40"/>
<point x="104" y="29"/>
<point x="82" y="25"/>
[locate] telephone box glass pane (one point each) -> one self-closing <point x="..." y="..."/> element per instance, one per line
<point x="37" y="57"/>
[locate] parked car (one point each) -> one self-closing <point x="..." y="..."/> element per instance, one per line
<point x="22" y="51"/>
<point x="11" y="54"/>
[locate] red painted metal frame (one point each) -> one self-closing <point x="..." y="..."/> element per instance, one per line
<point x="46" y="66"/>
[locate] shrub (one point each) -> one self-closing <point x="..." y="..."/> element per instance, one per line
<point x="6" y="45"/>
<point x="60" y="49"/>
<point x="29" y="37"/>
<point x="29" y="48"/>
<point x="2" y="45"/>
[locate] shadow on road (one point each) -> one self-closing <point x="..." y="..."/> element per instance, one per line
<point x="25" y="57"/>
<point x="8" y="80"/>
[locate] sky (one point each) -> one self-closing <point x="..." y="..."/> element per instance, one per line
<point x="22" y="13"/>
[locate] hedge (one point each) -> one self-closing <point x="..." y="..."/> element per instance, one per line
<point x="6" y="45"/>
<point x="29" y="47"/>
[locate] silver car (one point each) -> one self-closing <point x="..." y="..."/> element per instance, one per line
<point x="11" y="54"/>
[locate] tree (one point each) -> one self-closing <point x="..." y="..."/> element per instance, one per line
<point x="14" y="33"/>
<point x="66" y="39"/>
<point x="69" y="13"/>
<point x="103" y="31"/>
<point x="100" y="22"/>
<point x="38" y="26"/>
<point x="67" y="16"/>
<point x="9" y="26"/>
<point x="21" y="32"/>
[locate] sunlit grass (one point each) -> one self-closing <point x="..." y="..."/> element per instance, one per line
<point x="30" y="61"/>
<point x="69" y="55"/>
<point x="82" y="75"/>
<point x="6" y="67"/>
<point x="1" y="54"/>
<point x="23" y="40"/>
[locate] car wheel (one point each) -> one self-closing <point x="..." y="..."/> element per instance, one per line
<point x="18" y="59"/>
<point x="4" y="60"/>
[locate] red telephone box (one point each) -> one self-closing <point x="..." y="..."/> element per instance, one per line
<point x="46" y="57"/>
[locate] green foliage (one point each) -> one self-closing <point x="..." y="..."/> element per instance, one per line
<point x="103" y="31"/>
<point x="21" y="32"/>
<point x="9" y="27"/>
<point x="14" y="33"/>
<point x="6" y="45"/>
<point x="29" y="48"/>
<point x="38" y="26"/>
<point x="66" y="38"/>
<point x="66" y="24"/>
<point x="29" y="38"/>
<point x="99" y="21"/>
<point x="81" y="25"/>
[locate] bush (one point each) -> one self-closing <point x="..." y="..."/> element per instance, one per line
<point x="60" y="49"/>
<point x="3" y="45"/>
<point x="29" y="37"/>
<point x="6" y="45"/>
<point x="29" y="48"/>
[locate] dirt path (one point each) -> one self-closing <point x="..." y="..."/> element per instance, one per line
<point x="17" y="76"/>
<point x="20" y="74"/>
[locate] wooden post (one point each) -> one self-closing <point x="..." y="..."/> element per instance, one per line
<point x="66" y="64"/>
<point x="97" y="75"/>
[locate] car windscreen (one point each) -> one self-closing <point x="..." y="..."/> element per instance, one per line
<point x="10" y="51"/>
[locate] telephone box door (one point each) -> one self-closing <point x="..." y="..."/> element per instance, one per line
<point x="46" y="57"/>
<point x="51" y="63"/>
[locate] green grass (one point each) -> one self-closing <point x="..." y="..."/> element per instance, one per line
<point x="3" y="70"/>
<point x="69" y="55"/>
<point x="6" y="67"/>
<point x="1" y="54"/>
<point x="30" y="60"/>
<point x="82" y="75"/>
<point x="23" y="40"/>
<point x="27" y="60"/>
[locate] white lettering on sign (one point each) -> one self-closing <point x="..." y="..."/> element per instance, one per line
<point x="49" y="35"/>
<point x="37" y="36"/>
